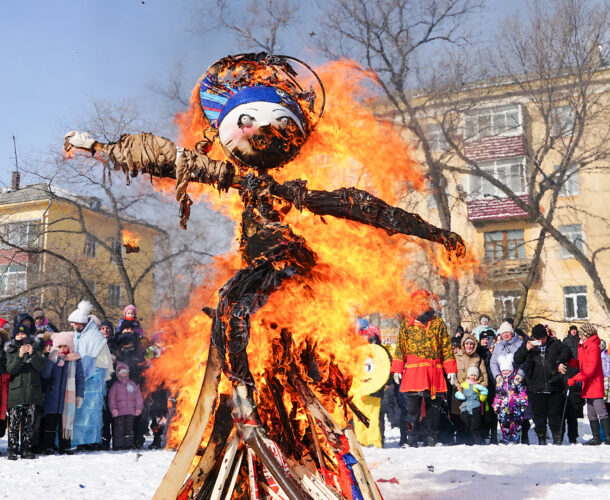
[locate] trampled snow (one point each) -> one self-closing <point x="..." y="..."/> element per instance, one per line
<point x="444" y="472"/>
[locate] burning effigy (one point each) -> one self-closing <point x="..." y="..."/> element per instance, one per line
<point x="274" y="430"/>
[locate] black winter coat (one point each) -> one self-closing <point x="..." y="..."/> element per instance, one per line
<point x="541" y="374"/>
<point x="572" y="342"/>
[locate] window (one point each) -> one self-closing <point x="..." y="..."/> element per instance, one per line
<point x="13" y="279"/>
<point x="575" y="234"/>
<point x="436" y="137"/>
<point x="570" y="184"/>
<point x="19" y="234"/>
<point x="506" y="303"/>
<point x="510" y="172"/>
<point x="90" y="248"/>
<point x="575" y="302"/>
<point x="504" y="245"/>
<point x="562" y="121"/>
<point x="116" y="248"/>
<point x="491" y="122"/>
<point x="115" y="293"/>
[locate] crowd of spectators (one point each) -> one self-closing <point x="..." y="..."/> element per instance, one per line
<point x="77" y="390"/>
<point x="491" y="386"/>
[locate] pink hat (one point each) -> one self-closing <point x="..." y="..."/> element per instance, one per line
<point x="63" y="338"/>
<point x="129" y="308"/>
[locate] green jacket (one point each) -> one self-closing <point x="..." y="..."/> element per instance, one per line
<point x="25" y="386"/>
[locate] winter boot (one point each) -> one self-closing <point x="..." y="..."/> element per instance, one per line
<point x="595" y="429"/>
<point x="606" y="427"/>
<point x="542" y="440"/>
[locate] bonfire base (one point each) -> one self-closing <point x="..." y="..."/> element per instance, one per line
<point x="240" y="461"/>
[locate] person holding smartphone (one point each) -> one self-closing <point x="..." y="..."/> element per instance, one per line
<point x="24" y="360"/>
<point x="540" y="359"/>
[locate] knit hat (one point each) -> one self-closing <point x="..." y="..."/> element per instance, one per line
<point x="109" y="325"/>
<point x="130" y="307"/>
<point x="127" y="323"/>
<point x="121" y="367"/>
<point x="539" y="332"/>
<point x="38" y="313"/>
<point x="505" y="327"/>
<point x="473" y="370"/>
<point x="63" y="338"/>
<point x="506" y="363"/>
<point x="587" y="330"/>
<point x="81" y="313"/>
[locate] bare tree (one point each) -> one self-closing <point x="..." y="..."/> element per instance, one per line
<point x="398" y="40"/>
<point x="554" y="63"/>
<point x="258" y="25"/>
<point x="96" y="211"/>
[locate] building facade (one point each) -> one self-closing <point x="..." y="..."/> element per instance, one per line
<point x="503" y="132"/>
<point x="51" y="247"/>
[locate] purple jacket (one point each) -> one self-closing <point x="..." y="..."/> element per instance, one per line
<point x="126" y="397"/>
<point x="605" y="363"/>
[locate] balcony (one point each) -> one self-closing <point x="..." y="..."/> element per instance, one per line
<point x="495" y="148"/>
<point x="504" y="271"/>
<point x="493" y="209"/>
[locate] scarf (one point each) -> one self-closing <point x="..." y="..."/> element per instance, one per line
<point x="67" y="417"/>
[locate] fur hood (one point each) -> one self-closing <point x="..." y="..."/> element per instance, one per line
<point x="471" y="337"/>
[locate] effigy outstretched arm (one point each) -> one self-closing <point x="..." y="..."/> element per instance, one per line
<point x="159" y="157"/>
<point x="360" y="206"/>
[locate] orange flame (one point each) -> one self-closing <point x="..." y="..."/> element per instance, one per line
<point x="131" y="241"/>
<point x="360" y="269"/>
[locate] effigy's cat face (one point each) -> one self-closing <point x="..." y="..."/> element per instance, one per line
<point x="261" y="135"/>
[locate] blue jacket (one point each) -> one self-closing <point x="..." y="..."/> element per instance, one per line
<point x="56" y="388"/>
<point x="471" y="395"/>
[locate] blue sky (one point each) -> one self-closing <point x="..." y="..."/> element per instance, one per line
<point x="57" y="56"/>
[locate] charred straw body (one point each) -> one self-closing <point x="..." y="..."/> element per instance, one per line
<point x="261" y="115"/>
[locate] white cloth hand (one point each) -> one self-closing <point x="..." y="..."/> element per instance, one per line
<point x="452" y="377"/>
<point x="79" y="140"/>
<point x="397" y="378"/>
<point x="518" y="379"/>
<point x="79" y="401"/>
<point x="499" y="380"/>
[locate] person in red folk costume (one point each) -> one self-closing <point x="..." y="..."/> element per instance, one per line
<point x="592" y="377"/>
<point x="423" y="353"/>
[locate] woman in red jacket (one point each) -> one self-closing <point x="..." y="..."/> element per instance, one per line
<point x="592" y="377"/>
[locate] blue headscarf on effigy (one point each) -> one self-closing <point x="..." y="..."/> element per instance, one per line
<point x="217" y="99"/>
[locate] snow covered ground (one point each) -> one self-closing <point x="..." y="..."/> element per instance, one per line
<point x="457" y="472"/>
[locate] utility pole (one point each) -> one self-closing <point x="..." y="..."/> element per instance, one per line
<point x="16" y="178"/>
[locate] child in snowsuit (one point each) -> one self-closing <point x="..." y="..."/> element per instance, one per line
<point x="472" y="395"/>
<point x="24" y="360"/>
<point x="66" y="387"/>
<point x="125" y="403"/>
<point x="510" y="402"/>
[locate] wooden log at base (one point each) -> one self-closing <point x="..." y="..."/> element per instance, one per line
<point x="212" y="478"/>
<point x="177" y="472"/>
<point x="223" y="425"/>
<point x="356" y="450"/>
